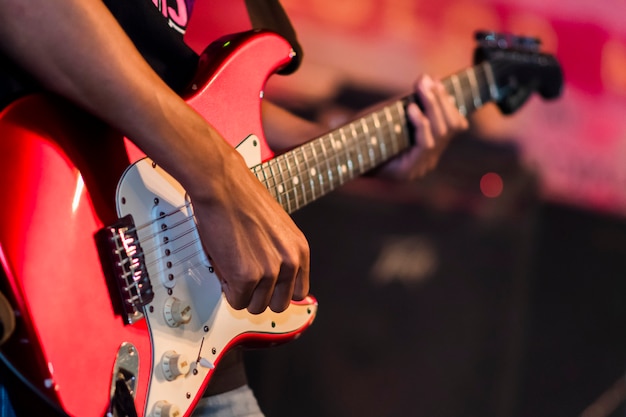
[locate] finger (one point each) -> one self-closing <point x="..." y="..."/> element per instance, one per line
<point x="293" y="281"/>
<point x="262" y="295"/>
<point x="423" y="133"/>
<point x="240" y="286"/>
<point x="283" y="291"/>
<point x="301" y="288"/>
<point x="451" y="114"/>
<point x="426" y="89"/>
<point x="265" y="284"/>
<point x="235" y="297"/>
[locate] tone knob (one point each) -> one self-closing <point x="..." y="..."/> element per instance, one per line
<point x="165" y="409"/>
<point x="176" y="312"/>
<point x="174" y="365"/>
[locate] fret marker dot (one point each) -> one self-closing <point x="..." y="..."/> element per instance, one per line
<point x="313" y="171"/>
<point x="398" y="128"/>
<point x="295" y="180"/>
<point x="280" y="189"/>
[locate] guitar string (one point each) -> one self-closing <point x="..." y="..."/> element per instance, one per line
<point x="354" y="148"/>
<point x="354" y="145"/>
<point x="475" y="99"/>
<point x="149" y="245"/>
<point x="472" y="98"/>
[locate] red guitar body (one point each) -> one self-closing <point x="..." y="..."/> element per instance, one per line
<point x="62" y="170"/>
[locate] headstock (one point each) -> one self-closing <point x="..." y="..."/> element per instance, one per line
<point x="519" y="68"/>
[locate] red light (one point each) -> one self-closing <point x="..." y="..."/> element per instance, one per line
<point x="491" y="185"/>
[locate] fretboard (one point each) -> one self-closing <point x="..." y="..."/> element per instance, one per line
<point x="318" y="167"/>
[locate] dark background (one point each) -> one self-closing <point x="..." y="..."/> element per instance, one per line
<point x="508" y="306"/>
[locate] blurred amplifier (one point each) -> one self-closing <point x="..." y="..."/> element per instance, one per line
<point x="422" y="290"/>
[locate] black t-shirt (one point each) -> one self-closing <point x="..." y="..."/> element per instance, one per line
<point x="159" y="41"/>
<point x="156" y="27"/>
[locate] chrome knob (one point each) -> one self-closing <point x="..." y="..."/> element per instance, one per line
<point x="176" y="312"/>
<point x="174" y="365"/>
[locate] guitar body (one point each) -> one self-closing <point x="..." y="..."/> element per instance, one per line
<point x="68" y="177"/>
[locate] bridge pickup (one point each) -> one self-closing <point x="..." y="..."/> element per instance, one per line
<point x="127" y="264"/>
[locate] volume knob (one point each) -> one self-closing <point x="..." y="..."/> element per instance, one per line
<point x="176" y="312"/>
<point x="165" y="409"/>
<point x="174" y="365"/>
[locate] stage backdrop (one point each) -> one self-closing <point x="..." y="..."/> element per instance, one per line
<point x="577" y="144"/>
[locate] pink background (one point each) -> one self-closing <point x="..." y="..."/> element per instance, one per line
<point x="577" y="144"/>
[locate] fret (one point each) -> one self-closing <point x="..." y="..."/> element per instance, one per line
<point x="471" y="76"/>
<point x="302" y="174"/>
<point x="295" y="177"/>
<point x="368" y="143"/>
<point x="340" y="167"/>
<point x="336" y="166"/>
<point x="286" y="182"/>
<point x="270" y="181"/>
<point x="317" y="166"/>
<point x="346" y="151"/>
<point x="392" y="130"/>
<point x="277" y="170"/>
<point x="359" y="136"/>
<point x="290" y="184"/>
<point x="458" y="93"/>
<point x="402" y="126"/>
<point x="310" y="170"/>
<point x="466" y="88"/>
<point x="356" y="140"/>
<point x="329" y="173"/>
<point x="300" y="168"/>
<point x="491" y="81"/>
<point x="320" y="171"/>
<point x="381" y="143"/>
<point x="255" y="171"/>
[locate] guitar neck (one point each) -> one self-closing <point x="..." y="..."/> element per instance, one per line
<point x="318" y="167"/>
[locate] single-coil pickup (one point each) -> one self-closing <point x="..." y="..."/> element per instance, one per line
<point x="178" y="247"/>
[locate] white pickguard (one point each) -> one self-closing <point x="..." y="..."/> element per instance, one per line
<point x="178" y="267"/>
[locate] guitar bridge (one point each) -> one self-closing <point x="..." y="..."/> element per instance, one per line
<point x="128" y="268"/>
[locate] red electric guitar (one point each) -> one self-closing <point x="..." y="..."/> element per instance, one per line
<point x="116" y="300"/>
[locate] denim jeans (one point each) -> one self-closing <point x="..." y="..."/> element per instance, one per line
<point x="5" y="405"/>
<point x="239" y="402"/>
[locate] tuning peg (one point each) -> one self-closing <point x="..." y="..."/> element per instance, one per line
<point x="528" y="43"/>
<point x="491" y="39"/>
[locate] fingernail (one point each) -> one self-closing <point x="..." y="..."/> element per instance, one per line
<point x="427" y="82"/>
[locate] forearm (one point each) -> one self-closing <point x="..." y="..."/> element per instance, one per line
<point x="284" y="130"/>
<point x="76" y="49"/>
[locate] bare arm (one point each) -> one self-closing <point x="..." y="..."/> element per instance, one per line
<point x="77" y="49"/>
<point x="434" y="127"/>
